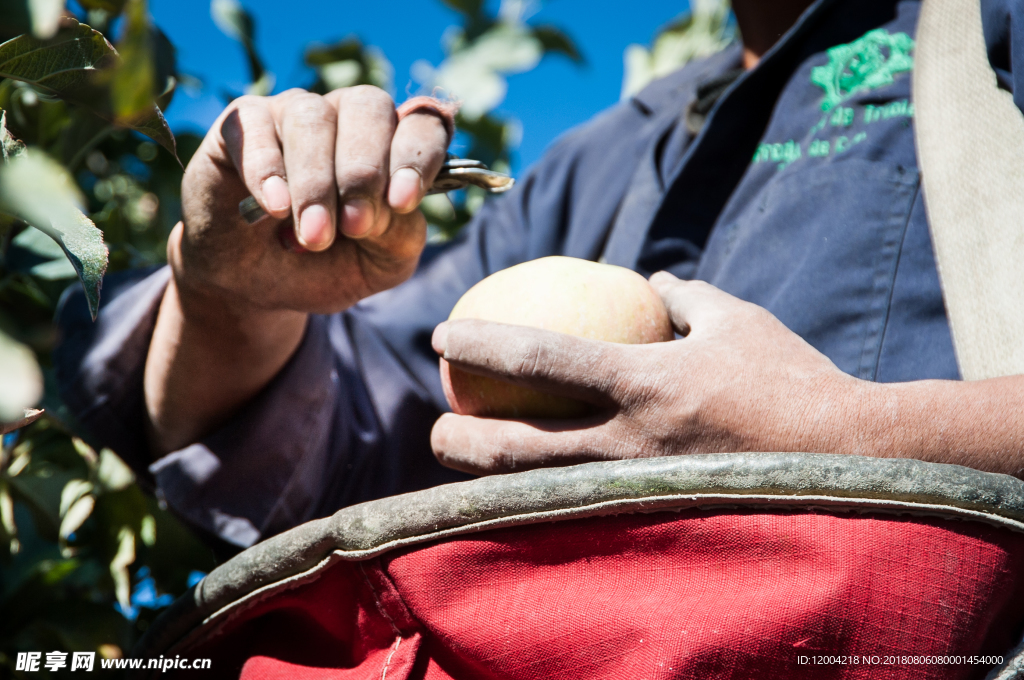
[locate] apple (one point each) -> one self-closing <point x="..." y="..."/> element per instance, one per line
<point x="561" y="294"/>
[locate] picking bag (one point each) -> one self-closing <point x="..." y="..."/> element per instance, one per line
<point x="754" y="565"/>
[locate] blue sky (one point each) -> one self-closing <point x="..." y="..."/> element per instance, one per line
<point x="549" y="100"/>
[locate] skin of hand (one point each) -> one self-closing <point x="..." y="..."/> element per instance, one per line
<point x="738" y="380"/>
<point x="346" y="177"/>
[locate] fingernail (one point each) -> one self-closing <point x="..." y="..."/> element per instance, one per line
<point x="405" y="189"/>
<point x="439" y="340"/>
<point x="275" y="194"/>
<point x="315" y="227"/>
<point x="356" y="217"/>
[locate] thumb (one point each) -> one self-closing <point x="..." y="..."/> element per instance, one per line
<point x="692" y="305"/>
<point x="174" y="245"/>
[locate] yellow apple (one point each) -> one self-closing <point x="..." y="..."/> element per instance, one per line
<point x="561" y="294"/>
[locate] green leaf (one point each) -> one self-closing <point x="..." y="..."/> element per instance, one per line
<point x="81" y="133"/>
<point x="349" y="49"/>
<point x="134" y="85"/>
<point x="555" y="40"/>
<point x="76" y="515"/>
<point x="164" y="100"/>
<point x="38" y="243"/>
<point x="340" y="74"/>
<point x="22" y="457"/>
<point x="39" y="488"/>
<point x="232" y="19"/>
<point x="165" y="61"/>
<point x="490" y="135"/>
<point x="10" y="528"/>
<point x="349" y="62"/>
<point x="474" y="74"/>
<point x="39" y="191"/>
<point x="119" y="566"/>
<point x="237" y="23"/>
<point x="707" y="28"/>
<point x="21" y="381"/>
<point x="72" y="492"/>
<point x="112" y="473"/>
<point x="54" y="270"/>
<point x="471" y="8"/>
<point x="148" y="531"/>
<point x="62" y="66"/>
<point x="10" y="147"/>
<point x="112" y="6"/>
<point x="75" y="66"/>
<point x="263" y="85"/>
<point x="86" y="452"/>
<point x="506" y="48"/>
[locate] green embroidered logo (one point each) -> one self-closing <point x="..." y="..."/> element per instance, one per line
<point x="868" y="62"/>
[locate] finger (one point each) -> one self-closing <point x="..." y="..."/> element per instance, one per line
<point x="417" y="154"/>
<point x="250" y="141"/>
<point x="693" y="304"/>
<point x="366" y="125"/>
<point x="393" y="256"/>
<point x="308" y="127"/>
<point x="490" y="446"/>
<point x="174" y="246"/>
<point x="556" y="363"/>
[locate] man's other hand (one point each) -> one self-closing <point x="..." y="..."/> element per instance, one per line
<point x="339" y="171"/>
<point x="338" y="175"/>
<point x="738" y="380"/>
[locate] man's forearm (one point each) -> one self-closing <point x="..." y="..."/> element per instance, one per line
<point x="207" y="359"/>
<point x="978" y="424"/>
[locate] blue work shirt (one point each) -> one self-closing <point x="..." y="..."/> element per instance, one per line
<point x="800" y="193"/>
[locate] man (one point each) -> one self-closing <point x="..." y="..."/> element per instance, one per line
<point x="263" y="387"/>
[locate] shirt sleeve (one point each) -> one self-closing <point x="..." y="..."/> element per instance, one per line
<point x="245" y="477"/>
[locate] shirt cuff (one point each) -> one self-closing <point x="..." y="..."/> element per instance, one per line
<point x="99" y="365"/>
<point x="257" y="474"/>
<point x="262" y="471"/>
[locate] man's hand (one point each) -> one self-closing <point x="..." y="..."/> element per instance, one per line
<point x="338" y="175"/>
<point x="738" y="381"/>
<point x="341" y="168"/>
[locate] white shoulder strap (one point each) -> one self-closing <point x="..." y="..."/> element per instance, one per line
<point x="970" y="148"/>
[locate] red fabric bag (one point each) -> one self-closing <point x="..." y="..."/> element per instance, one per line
<point x="729" y="566"/>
